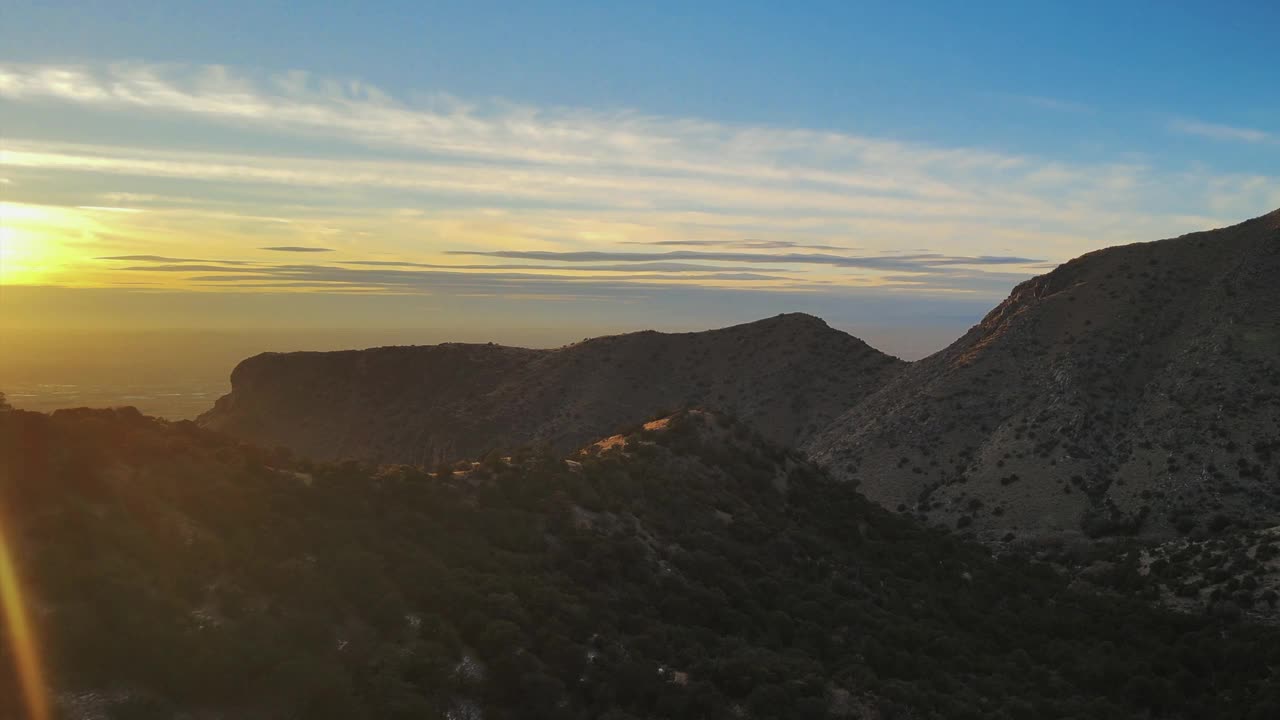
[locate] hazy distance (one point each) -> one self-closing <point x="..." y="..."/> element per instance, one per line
<point x="178" y="374"/>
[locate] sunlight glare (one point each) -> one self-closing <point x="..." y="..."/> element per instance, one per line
<point x="21" y="634"/>
<point x="28" y="248"/>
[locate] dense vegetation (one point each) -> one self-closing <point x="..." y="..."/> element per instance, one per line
<point x="693" y="572"/>
<point x="1234" y="575"/>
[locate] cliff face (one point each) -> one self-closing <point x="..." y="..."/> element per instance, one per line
<point x="396" y="404"/>
<point x="788" y="376"/>
<point x="1134" y="389"/>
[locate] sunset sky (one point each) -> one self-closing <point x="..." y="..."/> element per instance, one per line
<point x="473" y="164"/>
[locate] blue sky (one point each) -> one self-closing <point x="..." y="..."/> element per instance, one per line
<point x="939" y="152"/>
<point x="946" y="72"/>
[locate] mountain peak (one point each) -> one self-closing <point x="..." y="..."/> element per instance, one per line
<point x="1131" y="390"/>
<point x="794" y="319"/>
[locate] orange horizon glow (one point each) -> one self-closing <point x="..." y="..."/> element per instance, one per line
<point x="73" y="247"/>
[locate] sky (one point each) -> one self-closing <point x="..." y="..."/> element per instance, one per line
<point x="476" y="167"/>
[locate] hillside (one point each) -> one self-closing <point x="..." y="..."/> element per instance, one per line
<point x="689" y="570"/>
<point x="1133" y="390"/>
<point x="788" y="376"/>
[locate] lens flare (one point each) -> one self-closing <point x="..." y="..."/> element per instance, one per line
<point x="21" y="634"/>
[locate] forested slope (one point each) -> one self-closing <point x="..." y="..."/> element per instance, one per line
<point x="687" y="570"/>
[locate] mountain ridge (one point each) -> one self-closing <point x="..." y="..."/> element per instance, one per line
<point x="1082" y="403"/>
<point x="788" y="374"/>
<point x="1131" y="390"/>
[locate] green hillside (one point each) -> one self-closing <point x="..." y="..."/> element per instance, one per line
<point x="689" y="570"/>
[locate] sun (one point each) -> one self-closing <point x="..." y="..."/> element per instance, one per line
<point x="17" y="256"/>
<point x="28" y="246"/>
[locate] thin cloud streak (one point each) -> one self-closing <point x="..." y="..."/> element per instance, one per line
<point x="739" y="244"/>
<point x="656" y="267"/>
<point x="443" y="125"/>
<point x="551" y="185"/>
<point x="163" y="259"/>
<point x="559" y="189"/>
<point x="1051" y="103"/>
<point x="937" y="278"/>
<point x="956" y="182"/>
<point x="921" y="262"/>
<point x="424" y="279"/>
<point x="1215" y="131"/>
<point x="297" y="249"/>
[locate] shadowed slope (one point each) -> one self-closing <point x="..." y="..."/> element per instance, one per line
<point x="1133" y="389"/>
<point x="788" y="375"/>
<point x="692" y="570"/>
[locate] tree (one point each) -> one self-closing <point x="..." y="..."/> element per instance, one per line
<point x="4" y="403"/>
<point x="542" y="695"/>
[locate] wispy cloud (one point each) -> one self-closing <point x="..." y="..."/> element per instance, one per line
<point x="104" y="208"/>
<point x="583" y="273"/>
<point x="163" y="259"/>
<point x="401" y="279"/>
<point x="178" y="264"/>
<point x="1045" y="102"/>
<point x="651" y="267"/>
<point x="593" y="186"/>
<point x="576" y="137"/>
<point x="297" y="249"/>
<point x="739" y="244"/>
<point x="1215" y="131"/>
<point x="559" y="152"/>
<point x="920" y="262"/>
<point x="558" y="191"/>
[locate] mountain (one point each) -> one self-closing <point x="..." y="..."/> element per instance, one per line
<point x="690" y="569"/>
<point x="1133" y="390"/>
<point x="788" y="375"/>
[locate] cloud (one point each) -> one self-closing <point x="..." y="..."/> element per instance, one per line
<point x="497" y="152"/>
<point x="1056" y="104"/>
<point x="297" y="249"/>
<point x="559" y="191"/>
<point x="1222" y="132"/>
<point x="163" y="259"/>
<point x="739" y="244"/>
<point x="506" y="150"/>
<point x="654" y="267"/>
<point x="407" y="274"/>
<point x="425" y="280"/>
<point x="921" y="262"/>
<point x="186" y="267"/>
<point x="597" y="187"/>
<point x="928" y="273"/>
<point x="1044" y="102"/>
<point x="298" y="102"/>
<point x="103" y="208"/>
<point x="131" y="197"/>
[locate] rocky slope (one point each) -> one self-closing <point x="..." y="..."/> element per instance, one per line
<point x="788" y="376"/>
<point x="690" y="569"/>
<point x="1133" y="390"/>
